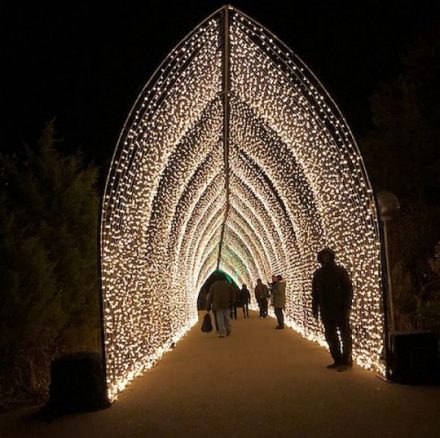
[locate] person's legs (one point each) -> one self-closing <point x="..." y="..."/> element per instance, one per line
<point x="265" y="310"/>
<point x="215" y="320"/>
<point x="331" y="336"/>
<point x="345" y="329"/>
<point x="235" y="311"/>
<point x="227" y="323"/>
<point x="280" y="317"/>
<point x="247" y="310"/>
<point x="221" y="319"/>
<point x="260" y="307"/>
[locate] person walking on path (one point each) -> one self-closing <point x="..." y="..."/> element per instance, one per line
<point x="279" y="300"/>
<point x="235" y="302"/>
<point x="332" y="296"/>
<point x="245" y="299"/>
<point x="261" y="296"/>
<point x="220" y="298"/>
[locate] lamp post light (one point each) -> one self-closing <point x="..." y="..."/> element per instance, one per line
<point x="389" y="209"/>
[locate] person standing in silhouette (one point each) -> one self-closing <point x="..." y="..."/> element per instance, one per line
<point x="271" y="288"/>
<point x="279" y="300"/>
<point x="261" y="296"/>
<point x="332" y="296"/>
<point x="245" y="299"/>
<point x="235" y="302"/>
<point x="220" y="298"/>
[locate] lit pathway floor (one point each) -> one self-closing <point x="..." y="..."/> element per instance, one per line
<point x="259" y="382"/>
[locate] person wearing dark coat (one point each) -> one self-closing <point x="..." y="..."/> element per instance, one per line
<point x="235" y="303"/>
<point x="332" y="296"/>
<point x="261" y="296"/>
<point x="245" y="299"/>
<point x="220" y="296"/>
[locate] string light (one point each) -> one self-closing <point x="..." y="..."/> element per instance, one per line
<point x="296" y="182"/>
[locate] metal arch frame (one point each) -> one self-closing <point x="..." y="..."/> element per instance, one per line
<point x="225" y="16"/>
<point x="226" y="110"/>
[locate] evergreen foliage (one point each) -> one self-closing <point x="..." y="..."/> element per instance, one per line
<point x="402" y="156"/>
<point x="48" y="264"/>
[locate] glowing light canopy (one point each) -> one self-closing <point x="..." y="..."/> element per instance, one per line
<point x="233" y="156"/>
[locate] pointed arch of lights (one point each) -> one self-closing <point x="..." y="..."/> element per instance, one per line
<point x="233" y="156"/>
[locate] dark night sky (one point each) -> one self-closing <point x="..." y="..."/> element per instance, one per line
<point x="86" y="63"/>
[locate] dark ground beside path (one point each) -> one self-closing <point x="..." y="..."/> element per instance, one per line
<point x="259" y="382"/>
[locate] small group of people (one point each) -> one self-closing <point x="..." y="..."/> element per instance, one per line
<point x="332" y="296"/>
<point x="224" y="299"/>
<point x="240" y="298"/>
<point x="276" y="292"/>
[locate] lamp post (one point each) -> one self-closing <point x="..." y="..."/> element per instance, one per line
<point x="389" y="209"/>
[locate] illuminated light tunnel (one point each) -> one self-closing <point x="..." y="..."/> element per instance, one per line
<point x="233" y="157"/>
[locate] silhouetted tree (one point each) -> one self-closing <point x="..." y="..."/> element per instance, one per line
<point x="48" y="244"/>
<point x="402" y="156"/>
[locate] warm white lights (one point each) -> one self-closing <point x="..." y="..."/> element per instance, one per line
<point x="296" y="183"/>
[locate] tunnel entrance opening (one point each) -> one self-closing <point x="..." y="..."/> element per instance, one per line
<point x="203" y="293"/>
<point x="234" y="157"/>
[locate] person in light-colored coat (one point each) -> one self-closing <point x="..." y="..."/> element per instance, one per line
<point x="279" y="300"/>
